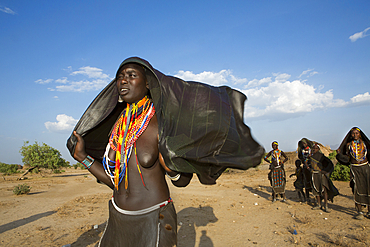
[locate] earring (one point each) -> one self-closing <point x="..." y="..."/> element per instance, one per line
<point x="120" y="100"/>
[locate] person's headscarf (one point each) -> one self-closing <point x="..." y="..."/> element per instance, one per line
<point x="301" y="147"/>
<point x="343" y="159"/>
<point x="201" y="128"/>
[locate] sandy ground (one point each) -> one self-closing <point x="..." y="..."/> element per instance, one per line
<point x="71" y="210"/>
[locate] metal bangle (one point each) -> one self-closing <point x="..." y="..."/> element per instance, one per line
<point x="174" y="178"/>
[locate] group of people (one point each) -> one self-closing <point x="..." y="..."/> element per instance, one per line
<point x="313" y="171"/>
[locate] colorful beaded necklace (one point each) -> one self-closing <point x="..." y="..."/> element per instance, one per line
<point x="358" y="150"/>
<point x="128" y="128"/>
<point x="276" y="155"/>
<point x="306" y="152"/>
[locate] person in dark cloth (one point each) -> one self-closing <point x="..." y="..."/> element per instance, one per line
<point x="304" y="152"/>
<point x="353" y="152"/>
<point x="277" y="173"/>
<point x="299" y="182"/>
<point x="322" y="187"/>
<point x="137" y="130"/>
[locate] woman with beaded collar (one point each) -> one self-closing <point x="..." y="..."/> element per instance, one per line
<point x="137" y="130"/>
<point x="277" y="174"/>
<point x="141" y="199"/>
<point x="353" y="152"/>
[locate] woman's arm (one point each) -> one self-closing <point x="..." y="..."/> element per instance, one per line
<point x="179" y="179"/>
<point x="267" y="156"/>
<point x="96" y="167"/>
<point x="285" y="157"/>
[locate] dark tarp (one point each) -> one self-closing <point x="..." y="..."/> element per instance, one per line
<point x="201" y="128"/>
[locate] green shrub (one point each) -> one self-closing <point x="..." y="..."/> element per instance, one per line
<point x="341" y="173"/>
<point x="332" y="155"/>
<point x="8" y="169"/>
<point x="79" y="165"/>
<point x="21" y="189"/>
<point x="36" y="170"/>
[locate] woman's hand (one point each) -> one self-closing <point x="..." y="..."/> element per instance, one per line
<point x="80" y="153"/>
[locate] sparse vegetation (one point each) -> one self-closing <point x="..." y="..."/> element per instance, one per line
<point x="42" y="156"/>
<point x="8" y="169"/>
<point x="79" y="165"/>
<point x="341" y="173"/>
<point x="21" y="189"/>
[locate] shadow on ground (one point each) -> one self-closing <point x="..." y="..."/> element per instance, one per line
<point x="190" y="217"/>
<point x="24" y="221"/>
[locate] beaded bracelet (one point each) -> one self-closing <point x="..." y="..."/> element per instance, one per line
<point x="88" y="161"/>
<point x="175" y="178"/>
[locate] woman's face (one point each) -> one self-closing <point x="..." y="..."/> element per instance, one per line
<point x="356" y="134"/>
<point x="315" y="149"/>
<point x="131" y="83"/>
<point x="304" y="144"/>
<point x="274" y="146"/>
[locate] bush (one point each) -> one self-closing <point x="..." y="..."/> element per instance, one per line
<point x="341" y="173"/>
<point x="35" y="171"/>
<point x="79" y="165"/>
<point x="42" y="156"/>
<point x="332" y="155"/>
<point x="21" y="189"/>
<point x="8" y="169"/>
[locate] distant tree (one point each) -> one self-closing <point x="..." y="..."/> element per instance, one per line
<point x="42" y="156"/>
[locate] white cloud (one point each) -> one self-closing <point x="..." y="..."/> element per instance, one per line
<point x="7" y="10"/>
<point x="62" y="80"/>
<point x="255" y="82"/>
<point x="64" y="124"/>
<point x="308" y="73"/>
<point x="95" y="80"/>
<point x="361" y="98"/>
<point x="213" y="78"/>
<point x="281" y="77"/>
<point x="82" y="86"/>
<point x="359" y="35"/>
<point x="41" y="81"/>
<point x="91" y="72"/>
<point x="287" y="98"/>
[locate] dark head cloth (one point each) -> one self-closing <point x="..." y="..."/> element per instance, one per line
<point x="301" y="147"/>
<point x="343" y="159"/>
<point x="201" y="128"/>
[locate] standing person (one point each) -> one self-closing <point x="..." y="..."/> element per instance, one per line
<point x="321" y="168"/>
<point x="135" y="132"/>
<point x="353" y="152"/>
<point x="277" y="174"/>
<point x="304" y="152"/>
<point x="299" y="182"/>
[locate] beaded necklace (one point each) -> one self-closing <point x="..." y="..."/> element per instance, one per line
<point x="128" y="128"/>
<point x="276" y="155"/>
<point x="306" y="152"/>
<point x="358" y="150"/>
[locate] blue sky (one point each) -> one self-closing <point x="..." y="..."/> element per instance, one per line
<point x="304" y="65"/>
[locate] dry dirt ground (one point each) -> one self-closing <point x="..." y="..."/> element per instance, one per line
<point x="71" y="210"/>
